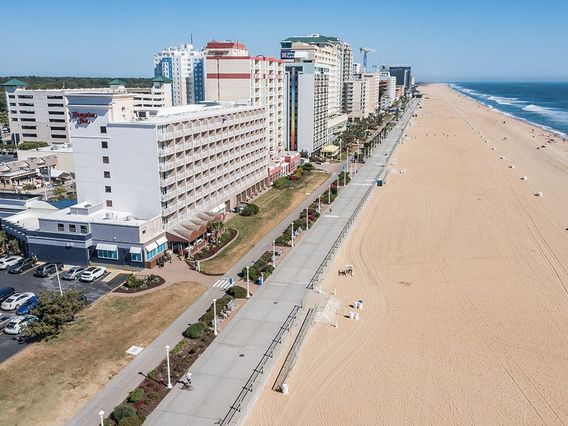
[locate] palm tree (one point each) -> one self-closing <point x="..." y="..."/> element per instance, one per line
<point x="14" y="246"/>
<point x="217" y="227"/>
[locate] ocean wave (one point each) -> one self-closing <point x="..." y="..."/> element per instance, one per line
<point x="552" y="114"/>
<point x="504" y="100"/>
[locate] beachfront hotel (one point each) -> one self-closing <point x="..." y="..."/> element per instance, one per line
<point x="41" y="115"/>
<point x="144" y="184"/>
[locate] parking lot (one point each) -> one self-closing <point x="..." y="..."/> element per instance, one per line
<point x="9" y="345"/>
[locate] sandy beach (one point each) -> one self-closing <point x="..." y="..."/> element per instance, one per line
<point x="464" y="275"/>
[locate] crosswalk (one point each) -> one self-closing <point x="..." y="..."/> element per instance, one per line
<point x="222" y="284"/>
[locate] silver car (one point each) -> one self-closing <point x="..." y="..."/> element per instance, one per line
<point x="73" y="273"/>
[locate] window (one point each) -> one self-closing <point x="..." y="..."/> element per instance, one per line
<point x="60" y="227"/>
<point x="109" y="203"/>
<point x="57" y="128"/>
<point x="29" y="127"/>
<point x="107" y="254"/>
<point x="103" y="129"/>
<point x="56" y="112"/>
<point x="104" y="144"/>
<point x="59" y="136"/>
<point x="55" y="105"/>
<point x="29" y="135"/>
<point x="136" y="257"/>
<point x="84" y="229"/>
<point x="57" y="120"/>
<point x="14" y="119"/>
<point x="106" y="174"/>
<point x="55" y="97"/>
<point x="108" y="189"/>
<point x="105" y="159"/>
<point x="72" y="228"/>
<point x="12" y="96"/>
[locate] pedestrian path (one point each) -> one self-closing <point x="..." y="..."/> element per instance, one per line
<point x="223" y="284"/>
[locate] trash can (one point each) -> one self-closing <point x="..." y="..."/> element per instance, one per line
<point x="259" y="281"/>
<point x="230" y="280"/>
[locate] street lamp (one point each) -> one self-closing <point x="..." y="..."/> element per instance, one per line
<point x="168" y="365"/>
<point x="102" y="417"/>
<point x="292" y="234"/>
<point x="273" y="253"/>
<point x="215" y="317"/>
<point x="319" y="204"/>
<point x="329" y="195"/>
<point x="248" y="288"/>
<point x="307" y="220"/>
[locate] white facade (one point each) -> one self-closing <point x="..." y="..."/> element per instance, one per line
<point x="181" y="65"/>
<point x="185" y="161"/>
<point x="356" y="94"/>
<point x="42" y="116"/>
<point x="233" y="75"/>
<point x="372" y="100"/>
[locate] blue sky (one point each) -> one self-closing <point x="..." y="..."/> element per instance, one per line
<point x="443" y="40"/>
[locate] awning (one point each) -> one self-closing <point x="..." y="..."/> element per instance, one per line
<point x="107" y="247"/>
<point x="151" y="246"/>
<point x="135" y="250"/>
<point x="161" y="240"/>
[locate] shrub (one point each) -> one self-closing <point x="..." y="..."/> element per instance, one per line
<point x="237" y="292"/>
<point x="250" y="210"/>
<point x="123" y="411"/>
<point x="133" y="282"/>
<point x="130" y="421"/>
<point x="283" y="240"/>
<point x="152" y="396"/>
<point x="179" y="347"/>
<point x="280" y="183"/>
<point x="309" y="167"/>
<point x="194" y="331"/>
<point x="108" y="422"/>
<point x="136" y="395"/>
<point x="28" y="187"/>
<point x="27" y="145"/>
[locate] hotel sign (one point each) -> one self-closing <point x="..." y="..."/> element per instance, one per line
<point x="83" y="117"/>
<point x="287" y="54"/>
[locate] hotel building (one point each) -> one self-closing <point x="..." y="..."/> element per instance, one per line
<point x="403" y="75"/>
<point x="184" y="66"/>
<point x="233" y="75"/>
<point x="42" y="115"/>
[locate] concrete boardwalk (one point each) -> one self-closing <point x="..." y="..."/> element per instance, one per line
<point x="220" y="374"/>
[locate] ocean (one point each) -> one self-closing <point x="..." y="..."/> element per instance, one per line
<point x="542" y="104"/>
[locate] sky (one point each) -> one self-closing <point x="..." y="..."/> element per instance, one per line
<point x="444" y="41"/>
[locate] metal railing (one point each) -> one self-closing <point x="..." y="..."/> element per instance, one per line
<point x="259" y="369"/>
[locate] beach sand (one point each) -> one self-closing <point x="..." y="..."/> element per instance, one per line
<point x="464" y="276"/>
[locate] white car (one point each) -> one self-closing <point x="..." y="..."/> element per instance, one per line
<point x="92" y="273"/>
<point x="17" y="325"/>
<point x="15" y="301"/>
<point x="9" y="261"/>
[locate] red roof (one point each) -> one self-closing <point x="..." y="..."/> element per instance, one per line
<point x="225" y="45"/>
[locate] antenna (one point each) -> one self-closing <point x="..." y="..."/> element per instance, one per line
<point x="191" y="38"/>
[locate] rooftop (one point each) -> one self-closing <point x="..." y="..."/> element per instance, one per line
<point x="116" y="82"/>
<point x="312" y="38"/>
<point x="14" y="82"/>
<point x="161" y="79"/>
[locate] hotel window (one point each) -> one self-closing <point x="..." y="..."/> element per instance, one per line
<point x="60" y="227"/>
<point x="72" y="228"/>
<point x="104" y="144"/>
<point x="103" y="129"/>
<point x="107" y="254"/>
<point x="106" y="174"/>
<point x="84" y="229"/>
<point x="105" y="159"/>
<point x="136" y="257"/>
<point x="108" y="189"/>
<point x="109" y="203"/>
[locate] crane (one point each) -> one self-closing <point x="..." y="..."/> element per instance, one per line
<point x="365" y="51"/>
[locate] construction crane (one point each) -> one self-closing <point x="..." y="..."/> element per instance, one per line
<point x="365" y="51"/>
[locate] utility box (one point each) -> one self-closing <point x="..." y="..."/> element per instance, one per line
<point x="379" y="182"/>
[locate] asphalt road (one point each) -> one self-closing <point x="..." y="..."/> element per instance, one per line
<point x="9" y="345"/>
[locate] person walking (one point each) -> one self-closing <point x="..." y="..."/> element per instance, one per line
<point x="188" y="379"/>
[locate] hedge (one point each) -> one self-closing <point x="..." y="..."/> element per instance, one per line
<point x="194" y="331"/>
<point x="237" y="292"/>
<point x="123" y="411"/>
<point x="130" y="421"/>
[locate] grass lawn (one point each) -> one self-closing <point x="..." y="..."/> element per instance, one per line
<point x="51" y="380"/>
<point x="275" y="205"/>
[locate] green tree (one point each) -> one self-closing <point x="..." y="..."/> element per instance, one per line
<point x="14" y="246"/>
<point x="3" y="241"/>
<point x="59" y="192"/>
<point x="54" y="311"/>
<point x="216" y="227"/>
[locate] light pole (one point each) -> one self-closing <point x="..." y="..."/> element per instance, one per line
<point x="102" y="417"/>
<point x="319" y="204"/>
<point x="329" y="195"/>
<point x="292" y="234"/>
<point x="273" y="253"/>
<point x="215" y="317"/>
<point x="307" y="220"/>
<point x="168" y="365"/>
<point x="345" y="170"/>
<point x="58" y="280"/>
<point x="248" y="288"/>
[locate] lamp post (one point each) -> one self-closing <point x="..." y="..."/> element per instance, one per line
<point x="307" y="220"/>
<point x="345" y="170"/>
<point x="102" y="417"/>
<point x="215" y="317"/>
<point x="168" y="365"/>
<point x="273" y="253"/>
<point x="319" y="204"/>
<point x="248" y="288"/>
<point x="292" y="234"/>
<point x="329" y="195"/>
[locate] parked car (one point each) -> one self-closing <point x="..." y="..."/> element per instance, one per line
<point x="47" y="269"/>
<point x="26" y="307"/>
<point x="73" y="273"/>
<point x="6" y="292"/>
<point x="15" y="301"/>
<point x="5" y="319"/>
<point x="22" y="265"/>
<point x="17" y="325"/>
<point x="239" y="208"/>
<point x="9" y="261"/>
<point x="92" y="273"/>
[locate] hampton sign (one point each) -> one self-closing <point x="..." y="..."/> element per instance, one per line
<point x="83" y="117"/>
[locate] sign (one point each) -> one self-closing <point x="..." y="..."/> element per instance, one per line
<point x="83" y="117"/>
<point x="287" y="54"/>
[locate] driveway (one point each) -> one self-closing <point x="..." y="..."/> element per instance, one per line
<point x="27" y="282"/>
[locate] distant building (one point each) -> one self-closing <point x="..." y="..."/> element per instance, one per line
<point x="184" y="66"/>
<point x="403" y="75"/>
<point x="357" y="68"/>
<point x="41" y="115"/>
<point x="234" y="75"/>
